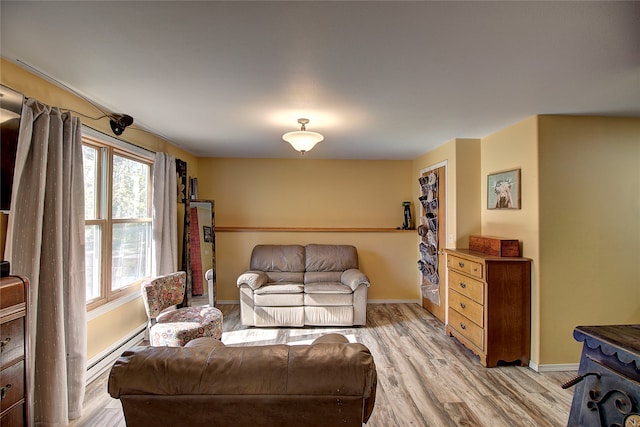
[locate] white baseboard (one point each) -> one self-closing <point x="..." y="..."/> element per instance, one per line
<point x="394" y="301"/>
<point x="374" y="301"/>
<point x="554" y="367"/>
<point x="104" y="360"/>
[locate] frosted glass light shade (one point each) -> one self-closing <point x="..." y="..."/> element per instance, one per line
<point x="302" y="140"/>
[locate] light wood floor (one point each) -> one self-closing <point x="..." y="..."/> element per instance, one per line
<point x="425" y="378"/>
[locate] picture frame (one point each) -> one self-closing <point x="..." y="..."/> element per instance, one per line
<point x="504" y="190"/>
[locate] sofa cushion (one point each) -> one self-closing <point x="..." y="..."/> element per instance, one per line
<point x="322" y="276"/>
<point x="285" y="276"/>
<point x="330" y="257"/>
<point x="341" y="315"/>
<point x="280" y="288"/>
<point x="278" y="316"/>
<point x="289" y="258"/>
<point x="327" y="288"/>
<point x="279" y="300"/>
<point x="320" y="300"/>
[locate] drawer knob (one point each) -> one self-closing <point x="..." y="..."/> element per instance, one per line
<point x="461" y="264"/>
<point x="463" y="305"/>
<point x="463" y="326"/>
<point x="4" y="390"/>
<point x="463" y="285"/>
<point x="4" y="343"/>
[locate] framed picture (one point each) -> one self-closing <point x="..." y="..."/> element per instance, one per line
<point x="503" y="190"/>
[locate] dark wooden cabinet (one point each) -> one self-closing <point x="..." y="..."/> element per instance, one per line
<point x="489" y="306"/>
<point x="13" y="351"/>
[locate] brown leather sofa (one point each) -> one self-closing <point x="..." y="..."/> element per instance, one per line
<point x="330" y="382"/>
<point x="294" y="285"/>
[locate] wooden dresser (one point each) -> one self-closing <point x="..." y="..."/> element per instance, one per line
<point x="489" y="305"/>
<point x="13" y="351"/>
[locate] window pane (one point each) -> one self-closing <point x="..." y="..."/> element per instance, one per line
<point x="130" y="189"/>
<point x="90" y="158"/>
<point x="92" y="238"/>
<point x="131" y="253"/>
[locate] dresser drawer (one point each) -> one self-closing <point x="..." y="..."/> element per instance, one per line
<point x="467" y="307"/>
<point x="467" y="328"/>
<point x="11" y="341"/>
<point x="470" y="267"/>
<point x="11" y="293"/>
<point x="467" y="286"/>
<point x="14" y="417"/>
<point x="12" y="385"/>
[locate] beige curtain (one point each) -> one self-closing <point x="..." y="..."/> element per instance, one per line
<point x="165" y="222"/>
<point x="46" y="244"/>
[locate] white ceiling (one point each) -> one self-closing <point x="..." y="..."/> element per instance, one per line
<point x="381" y="80"/>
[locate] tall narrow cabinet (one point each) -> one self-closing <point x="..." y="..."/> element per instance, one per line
<point x="489" y="305"/>
<point x="13" y="351"/>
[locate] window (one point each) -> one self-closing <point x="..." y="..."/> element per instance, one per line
<point x="117" y="220"/>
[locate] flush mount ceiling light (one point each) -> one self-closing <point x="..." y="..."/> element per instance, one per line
<point x="302" y="140"/>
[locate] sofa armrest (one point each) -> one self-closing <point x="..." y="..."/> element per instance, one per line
<point x="253" y="278"/>
<point x="354" y="278"/>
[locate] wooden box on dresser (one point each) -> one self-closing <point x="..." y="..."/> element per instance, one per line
<point x="13" y="351"/>
<point x="489" y="305"/>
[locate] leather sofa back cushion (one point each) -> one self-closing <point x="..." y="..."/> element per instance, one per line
<point x="278" y="258"/>
<point x="322" y="276"/>
<point x="285" y="277"/>
<point x="330" y="257"/>
<point x="319" y="369"/>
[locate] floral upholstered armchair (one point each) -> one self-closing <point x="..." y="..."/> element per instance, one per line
<point x="177" y="326"/>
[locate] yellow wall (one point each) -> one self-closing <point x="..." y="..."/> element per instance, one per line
<point x="516" y="147"/>
<point x="102" y="332"/>
<point x="314" y="193"/>
<point x="306" y="192"/>
<point x="115" y="326"/>
<point x="589" y="228"/>
<point x="468" y="194"/>
<point x="462" y="187"/>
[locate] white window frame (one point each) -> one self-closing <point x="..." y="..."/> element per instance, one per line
<point x="108" y="147"/>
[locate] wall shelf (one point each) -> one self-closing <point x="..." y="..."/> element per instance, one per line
<point x="316" y="229"/>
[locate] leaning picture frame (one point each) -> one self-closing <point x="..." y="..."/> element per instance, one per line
<point x="504" y="190"/>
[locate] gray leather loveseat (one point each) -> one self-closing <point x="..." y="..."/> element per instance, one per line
<point x="294" y="285"/>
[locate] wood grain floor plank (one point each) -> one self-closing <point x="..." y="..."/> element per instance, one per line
<point x="425" y="378"/>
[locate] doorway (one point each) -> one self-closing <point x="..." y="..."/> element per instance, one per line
<point x="432" y="232"/>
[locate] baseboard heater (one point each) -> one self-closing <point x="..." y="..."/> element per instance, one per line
<point x="104" y="360"/>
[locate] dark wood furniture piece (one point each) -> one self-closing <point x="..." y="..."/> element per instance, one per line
<point x="14" y="409"/>
<point x="608" y="385"/>
<point x="489" y="305"/>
